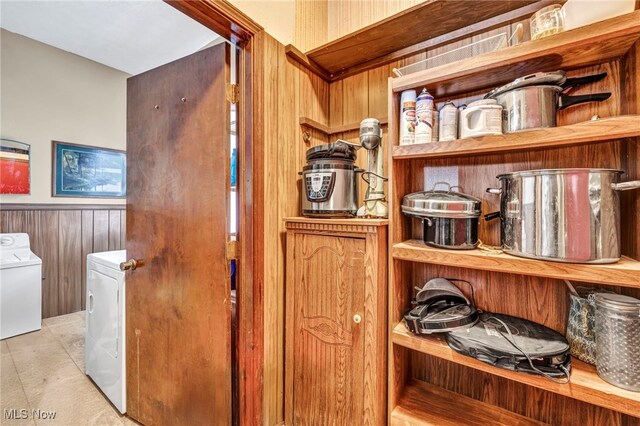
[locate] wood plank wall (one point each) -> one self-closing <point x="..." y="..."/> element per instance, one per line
<point x="62" y="236"/>
<point x="311" y="24"/>
<point x="289" y="91"/>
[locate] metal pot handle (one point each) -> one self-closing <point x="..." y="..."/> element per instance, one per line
<point x="491" y="216"/>
<point x="624" y="186"/>
<point x="496" y="191"/>
<point x="449" y="187"/>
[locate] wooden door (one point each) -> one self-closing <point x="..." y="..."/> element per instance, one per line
<point x="328" y="348"/>
<point x="178" y="302"/>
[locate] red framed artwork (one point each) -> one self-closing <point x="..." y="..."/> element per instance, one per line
<point x="15" y="173"/>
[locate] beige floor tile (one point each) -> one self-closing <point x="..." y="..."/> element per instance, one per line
<point x="4" y="348"/>
<point x="63" y="319"/>
<point x="72" y="338"/>
<point x="76" y="401"/>
<point x="12" y="396"/>
<point x="30" y="341"/>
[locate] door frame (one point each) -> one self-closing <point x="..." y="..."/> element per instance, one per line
<point x="229" y="22"/>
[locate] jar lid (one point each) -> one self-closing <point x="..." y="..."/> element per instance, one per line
<point x="436" y="203"/>
<point x="555" y="78"/>
<point x="619" y="302"/>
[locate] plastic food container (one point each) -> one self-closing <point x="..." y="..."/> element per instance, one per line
<point x="618" y="340"/>
<point x="547" y="21"/>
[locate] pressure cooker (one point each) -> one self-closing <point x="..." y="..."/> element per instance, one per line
<point x="563" y="215"/>
<point x="329" y="181"/>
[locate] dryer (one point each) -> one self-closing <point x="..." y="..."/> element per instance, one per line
<point x="105" y="334"/>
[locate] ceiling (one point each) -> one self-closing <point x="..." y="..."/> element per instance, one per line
<point x="129" y="35"/>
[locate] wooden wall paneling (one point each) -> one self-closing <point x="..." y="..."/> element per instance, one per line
<point x="272" y="379"/>
<point x="100" y="231"/>
<point x="70" y="256"/>
<point x="114" y="230"/>
<point x="123" y="229"/>
<point x="48" y="250"/>
<point x="87" y="248"/>
<point x="630" y="200"/>
<point x="311" y="27"/>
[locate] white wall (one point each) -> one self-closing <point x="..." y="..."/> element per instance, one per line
<point x="49" y="94"/>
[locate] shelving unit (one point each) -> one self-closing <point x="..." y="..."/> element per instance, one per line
<point x="417" y="395"/>
<point x="626" y="272"/>
<point x="585" y="384"/>
<point x="587" y="132"/>
<point x="419" y="391"/>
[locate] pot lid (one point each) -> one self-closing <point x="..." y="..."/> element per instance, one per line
<point x="446" y="204"/>
<point x="542" y="172"/>
<point x="438" y="288"/>
<point x="555" y="78"/>
<point x="335" y="150"/>
<point x="618" y="302"/>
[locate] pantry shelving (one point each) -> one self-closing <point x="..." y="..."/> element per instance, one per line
<point x="529" y="288"/>
<point x="626" y="272"/>
<point x="585" y="384"/>
<point x="418" y="394"/>
<point x="586" y="132"/>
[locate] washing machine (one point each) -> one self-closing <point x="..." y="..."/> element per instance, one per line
<point x="20" y="286"/>
<point x="105" y="334"/>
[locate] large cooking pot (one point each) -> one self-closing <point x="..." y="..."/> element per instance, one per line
<point x="532" y="102"/>
<point x="450" y="219"/>
<point x="564" y="215"/>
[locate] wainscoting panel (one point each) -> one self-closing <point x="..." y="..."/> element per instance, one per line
<point x="62" y="235"/>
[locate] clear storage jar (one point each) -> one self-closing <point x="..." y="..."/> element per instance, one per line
<point x="618" y="340"/>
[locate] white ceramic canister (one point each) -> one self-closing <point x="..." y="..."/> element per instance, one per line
<point x="483" y="117"/>
<point x="436" y="125"/>
<point x="448" y="122"/>
<point x="424" y="117"/>
<point x="407" y="117"/>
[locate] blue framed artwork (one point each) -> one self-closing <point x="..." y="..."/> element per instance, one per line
<point x="86" y="171"/>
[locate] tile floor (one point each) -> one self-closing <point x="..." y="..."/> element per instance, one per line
<point x="44" y="370"/>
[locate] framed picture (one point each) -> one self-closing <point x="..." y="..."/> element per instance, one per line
<point x="86" y="171"/>
<point x="15" y="172"/>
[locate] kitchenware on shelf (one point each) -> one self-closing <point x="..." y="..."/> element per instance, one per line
<point x="578" y="13"/>
<point x="581" y="323"/>
<point x="532" y="101"/>
<point x="441" y="307"/>
<point x="480" y="118"/>
<point x="407" y="117"/>
<point x="618" y="340"/>
<point x="547" y="21"/>
<point x="424" y="117"/>
<point x="448" y="122"/>
<point x="375" y="200"/>
<point x="514" y="344"/>
<point x="329" y="181"/>
<point x="449" y="219"/>
<point x="470" y="50"/>
<point x="563" y="215"/>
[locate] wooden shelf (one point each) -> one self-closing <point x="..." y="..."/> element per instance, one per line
<point x="308" y="122"/>
<point x="585" y="384"/>
<point x="423" y="404"/>
<point x="625" y="273"/>
<point x="593" y="44"/>
<point x="587" y="132"/>
<point x="448" y="20"/>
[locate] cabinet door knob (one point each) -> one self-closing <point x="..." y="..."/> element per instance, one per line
<point x="357" y="319"/>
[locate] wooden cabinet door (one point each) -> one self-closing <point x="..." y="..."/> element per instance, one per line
<point x="328" y="349"/>
<point x="178" y="325"/>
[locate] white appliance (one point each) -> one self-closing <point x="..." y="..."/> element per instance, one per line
<point x="20" y="286"/>
<point x="105" y="339"/>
